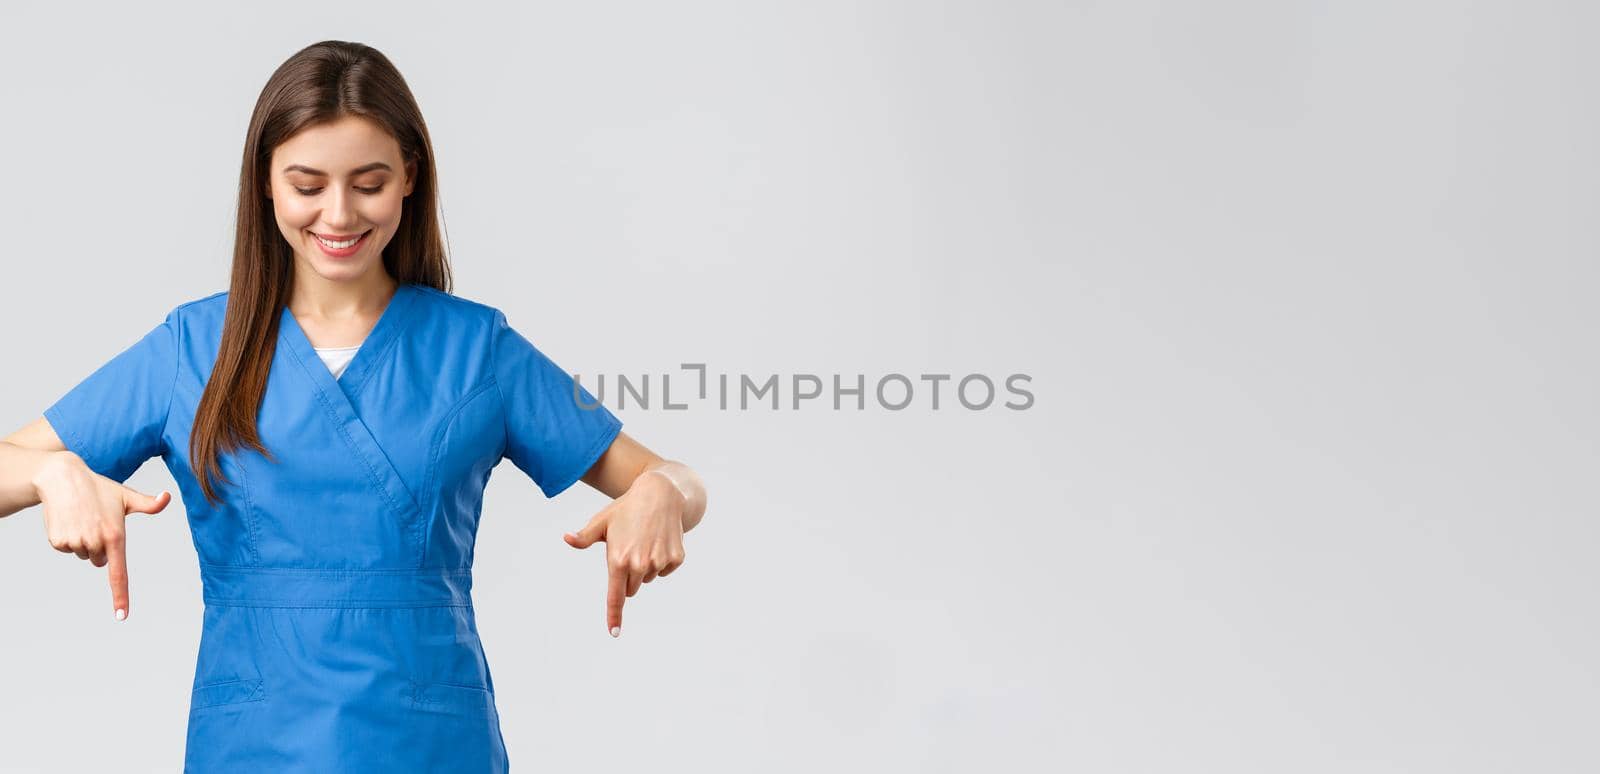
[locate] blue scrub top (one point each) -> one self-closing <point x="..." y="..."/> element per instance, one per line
<point x="338" y="626"/>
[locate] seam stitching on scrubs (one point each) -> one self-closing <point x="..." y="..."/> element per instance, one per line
<point x="226" y="682"/>
<point x="257" y="693"/>
<point x="393" y="334"/>
<point x="428" y="571"/>
<point x="495" y="323"/>
<point x="71" y="436"/>
<point x="177" y="367"/>
<point x="176" y="320"/>
<point x="478" y="700"/>
<point x="336" y="604"/>
<point x="453" y="685"/>
<point x="425" y="525"/>
<point x="338" y="423"/>
<point x="249" y="510"/>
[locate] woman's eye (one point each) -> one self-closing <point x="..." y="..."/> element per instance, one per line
<point x="313" y="191"/>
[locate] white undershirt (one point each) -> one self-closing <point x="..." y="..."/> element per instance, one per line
<point x="337" y="358"/>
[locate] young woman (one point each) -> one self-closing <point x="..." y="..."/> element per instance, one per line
<point x="331" y="421"/>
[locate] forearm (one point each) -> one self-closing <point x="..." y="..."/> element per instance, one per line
<point x="19" y="469"/>
<point x="688" y="484"/>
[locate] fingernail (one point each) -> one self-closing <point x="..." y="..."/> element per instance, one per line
<point x="121" y="614"/>
<point x="616" y="631"/>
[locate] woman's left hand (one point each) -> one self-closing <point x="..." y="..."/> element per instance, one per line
<point x="643" y="533"/>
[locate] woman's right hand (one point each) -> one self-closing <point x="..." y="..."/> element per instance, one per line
<point x="85" y="514"/>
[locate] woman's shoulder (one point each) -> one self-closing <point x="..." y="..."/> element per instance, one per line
<point x="218" y="299"/>
<point x="209" y="309"/>
<point x="451" y="305"/>
<point x="452" y="301"/>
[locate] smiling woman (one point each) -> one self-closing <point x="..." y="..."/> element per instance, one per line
<point x="335" y="217"/>
<point x="334" y="502"/>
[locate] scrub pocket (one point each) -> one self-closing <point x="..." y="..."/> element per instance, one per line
<point x="227" y="692"/>
<point x="451" y="699"/>
<point x="227" y="671"/>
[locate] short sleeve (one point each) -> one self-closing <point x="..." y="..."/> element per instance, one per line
<point x="114" y="419"/>
<point x="555" y="429"/>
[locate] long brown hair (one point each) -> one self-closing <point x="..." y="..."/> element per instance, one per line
<point x="321" y="83"/>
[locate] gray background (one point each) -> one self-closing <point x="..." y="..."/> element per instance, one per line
<point x="1306" y="291"/>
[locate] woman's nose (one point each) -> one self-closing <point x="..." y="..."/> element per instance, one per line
<point x="341" y="211"/>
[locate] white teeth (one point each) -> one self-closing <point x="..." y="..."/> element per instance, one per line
<point x="337" y="245"/>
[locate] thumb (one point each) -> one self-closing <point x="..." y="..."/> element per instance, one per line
<point x="591" y="532"/>
<point x="134" y="501"/>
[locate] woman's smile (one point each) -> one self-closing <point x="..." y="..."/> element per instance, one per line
<point x="341" y="247"/>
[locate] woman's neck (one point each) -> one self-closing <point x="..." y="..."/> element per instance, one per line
<point x="338" y="302"/>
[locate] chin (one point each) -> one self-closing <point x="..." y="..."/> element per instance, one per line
<point x="340" y="271"/>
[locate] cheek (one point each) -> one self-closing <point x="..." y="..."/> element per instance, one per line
<point x="386" y="209"/>
<point x="293" y="211"/>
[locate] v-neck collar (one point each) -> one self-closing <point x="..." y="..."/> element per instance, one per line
<point x="337" y="396"/>
<point x="372" y="349"/>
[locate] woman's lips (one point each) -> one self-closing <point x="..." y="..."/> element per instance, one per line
<point x="344" y="252"/>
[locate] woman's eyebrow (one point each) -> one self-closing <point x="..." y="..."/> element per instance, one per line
<point x="356" y="171"/>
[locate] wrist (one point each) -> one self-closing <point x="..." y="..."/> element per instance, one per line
<point x="688" y="485"/>
<point x="49" y="465"/>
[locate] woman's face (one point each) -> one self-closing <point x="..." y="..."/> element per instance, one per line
<point x="341" y="180"/>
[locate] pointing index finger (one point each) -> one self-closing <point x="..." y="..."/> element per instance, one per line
<point x="117" y="571"/>
<point x="615" y="593"/>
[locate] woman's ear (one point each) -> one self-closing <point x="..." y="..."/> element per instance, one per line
<point x="411" y="176"/>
